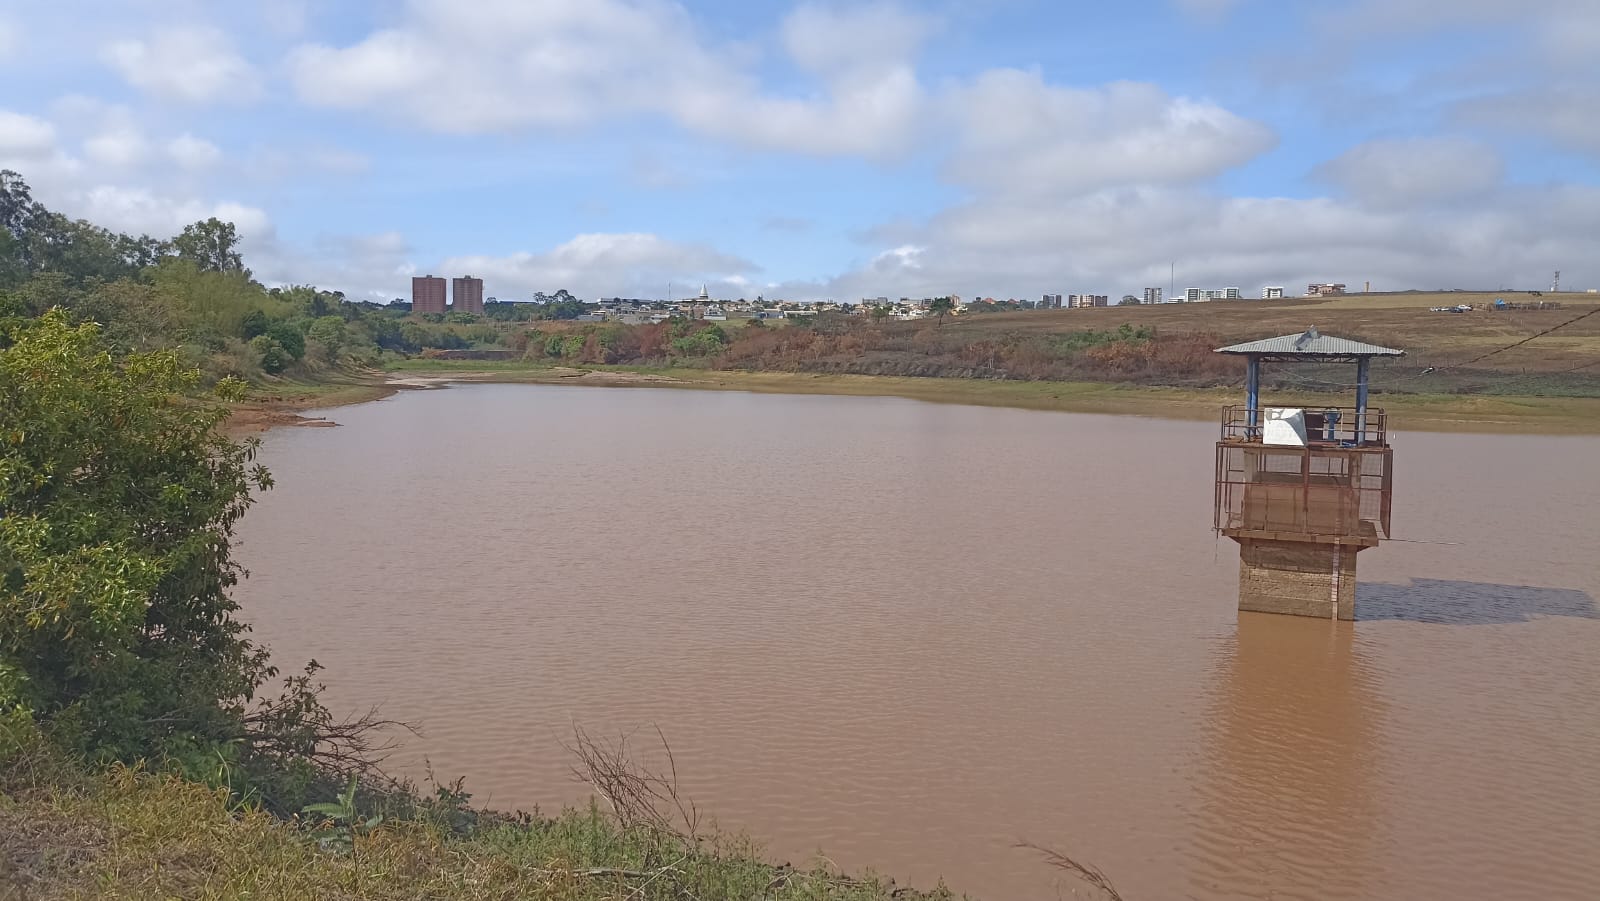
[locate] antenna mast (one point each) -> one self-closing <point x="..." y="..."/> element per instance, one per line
<point x="1555" y="283"/>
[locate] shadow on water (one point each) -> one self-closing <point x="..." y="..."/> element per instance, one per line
<point x="1469" y="603"/>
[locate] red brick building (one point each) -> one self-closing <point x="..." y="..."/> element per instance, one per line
<point x="427" y="294"/>
<point x="466" y="295"/>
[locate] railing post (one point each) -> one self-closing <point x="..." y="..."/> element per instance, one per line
<point x="1362" y="365"/>
<point x="1252" y="387"/>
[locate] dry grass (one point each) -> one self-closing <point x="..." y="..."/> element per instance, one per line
<point x="136" y="835"/>
<point x="1395" y="320"/>
<point x="1550" y="384"/>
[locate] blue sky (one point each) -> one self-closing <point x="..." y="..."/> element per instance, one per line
<point x="1004" y="147"/>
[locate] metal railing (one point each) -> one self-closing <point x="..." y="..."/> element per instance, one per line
<point x="1313" y="491"/>
<point x="1331" y="426"/>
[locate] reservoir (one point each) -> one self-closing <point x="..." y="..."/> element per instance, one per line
<point x="912" y="636"/>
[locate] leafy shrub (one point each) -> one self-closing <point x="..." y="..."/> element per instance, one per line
<point x="289" y="338"/>
<point x="272" y="357"/>
<point x="116" y="628"/>
<point x="330" y="331"/>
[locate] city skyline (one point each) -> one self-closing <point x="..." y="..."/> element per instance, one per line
<point x="827" y="150"/>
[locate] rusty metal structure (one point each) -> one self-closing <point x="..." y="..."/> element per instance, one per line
<point x="1303" y="489"/>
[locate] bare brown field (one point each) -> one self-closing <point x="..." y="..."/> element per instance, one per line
<point x="1440" y="340"/>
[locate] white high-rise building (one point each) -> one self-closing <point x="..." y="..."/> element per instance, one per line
<point x="1201" y="295"/>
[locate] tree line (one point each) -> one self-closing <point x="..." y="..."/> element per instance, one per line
<point x="193" y="293"/>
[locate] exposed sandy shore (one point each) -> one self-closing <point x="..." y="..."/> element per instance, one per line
<point x="1416" y="412"/>
<point x="1431" y="413"/>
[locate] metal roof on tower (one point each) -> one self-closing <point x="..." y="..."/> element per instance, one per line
<point x="1308" y="346"/>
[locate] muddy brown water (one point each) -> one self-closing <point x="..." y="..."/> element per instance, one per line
<point x="910" y="636"/>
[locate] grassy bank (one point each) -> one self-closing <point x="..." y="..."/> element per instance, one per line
<point x="128" y="833"/>
<point x="1418" y="412"/>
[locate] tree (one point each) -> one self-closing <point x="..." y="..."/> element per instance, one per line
<point x="1128" y="300"/>
<point x="116" y="629"/>
<point x="330" y="331"/>
<point x="211" y="245"/>
<point x="254" y="323"/>
<point x="881" y="313"/>
<point x="34" y="239"/>
<point x="273" y="357"/>
<point x="288" y="337"/>
<point x="940" y="306"/>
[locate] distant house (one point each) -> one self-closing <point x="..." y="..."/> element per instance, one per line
<point x="1324" y="290"/>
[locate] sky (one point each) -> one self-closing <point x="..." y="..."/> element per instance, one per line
<point x="1005" y="148"/>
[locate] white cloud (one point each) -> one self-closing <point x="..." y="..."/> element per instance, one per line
<point x="104" y="185"/>
<point x="1017" y="133"/>
<point x="121" y="147"/>
<point x="1118" y="241"/>
<point x="192" y="64"/>
<point x="1419" y="170"/>
<point x="507" y="65"/>
<point x="285" y="17"/>
<point x="193" y="153"/>
<point x="24" y="138"/>
<point x="826" y="40"/>
<point x="591" y="265"/>
<point x="1562" y="113"/>
<point x="1570" y="39"/>
<point x="366" y="267"/>
<point x="139" y="210"/>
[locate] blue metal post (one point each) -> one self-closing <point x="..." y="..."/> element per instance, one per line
<point x="1252" y="387"/>
<point x="1361" y="400"/>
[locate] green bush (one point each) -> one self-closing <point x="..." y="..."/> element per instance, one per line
<point x="254" y="323"/>
<point x="272" y="356"/>
<point x="330" y="331"/>
<point x="706" y="342"/>
<point x="116" y="628"/>
<point x="288" y="337"/>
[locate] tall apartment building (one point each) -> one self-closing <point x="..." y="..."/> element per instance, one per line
<point x="1152" y="295"/>
<point x="1050" y="302"/>
<point x="1272" y="292"/>
<point x="1080" y="301"/>
<point x="1201" y="295"/>
<point x="466" y="294"/>
<point x="427" y="294"/>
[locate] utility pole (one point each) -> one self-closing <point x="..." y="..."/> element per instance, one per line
<point x="1172" y="280"/>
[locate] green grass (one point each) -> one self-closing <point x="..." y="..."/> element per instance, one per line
<point x="132" y="834"/>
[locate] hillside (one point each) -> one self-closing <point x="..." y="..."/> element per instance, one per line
<point x="1401" y="320"/>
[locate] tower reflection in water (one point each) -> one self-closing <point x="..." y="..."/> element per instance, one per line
<point x="1288" y="806"/>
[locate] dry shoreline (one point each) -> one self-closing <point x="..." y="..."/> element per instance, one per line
<point x="261" y="413"/>
<point x="1430" y="413"/>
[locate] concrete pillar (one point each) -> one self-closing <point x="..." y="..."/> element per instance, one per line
<point x="1300" y="578"/>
